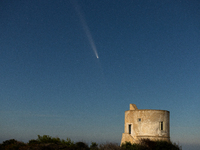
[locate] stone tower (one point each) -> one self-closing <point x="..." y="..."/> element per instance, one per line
<point x="145" y="123"/>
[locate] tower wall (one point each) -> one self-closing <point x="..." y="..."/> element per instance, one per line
<point x="145" y="123"/>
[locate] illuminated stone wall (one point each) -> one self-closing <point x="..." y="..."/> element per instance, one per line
<point x="145" y="123"/>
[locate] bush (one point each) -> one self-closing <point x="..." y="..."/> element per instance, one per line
<point x="134" y="146"/>
<point x="68" y="142"/>
<point x="48" y="139"/>
<point x="167" y="146"/>
<point x="32" y="142"/>
<point x="12" y="144"/>
<point x="109" y="146"/>
<point x="94" y="146"/>
<point x="9" y="142"/>
<point x="81" y="146"/>
<point x="46" y="142"/>
<point x="147" y="144"/>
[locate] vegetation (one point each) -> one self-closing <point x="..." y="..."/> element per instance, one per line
<point x="146" y="144"/>
<point x="46" y="142"/>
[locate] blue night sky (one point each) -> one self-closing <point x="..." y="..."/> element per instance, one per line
<point x="52" y="83"/>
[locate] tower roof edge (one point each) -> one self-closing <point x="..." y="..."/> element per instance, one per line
<point x="133" y="107"/>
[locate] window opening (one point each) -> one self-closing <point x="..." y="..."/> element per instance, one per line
<point x="161" y="126"/>
<point x="129" y="127"/>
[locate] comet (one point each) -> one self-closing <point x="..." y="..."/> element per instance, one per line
<point x="86" y="29"/>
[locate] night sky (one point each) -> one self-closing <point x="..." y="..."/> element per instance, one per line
<point x="70" y="69"/>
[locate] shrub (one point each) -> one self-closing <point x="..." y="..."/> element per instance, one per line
<point x="11" y="141"/>
<point x="109" y="146"/>
<point x="147" y="144"/>
<point x="12" y="144"/>
<point x="32" y="142"/>
<point x="48" y="139"/>
<point x="68" y="142"/>
<point x="46" y="142"/>
<point x="81" y="146"/>
<point x="167" y="146"/>
<point x="94" y="146"/>
<point x="134" y="146"/>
